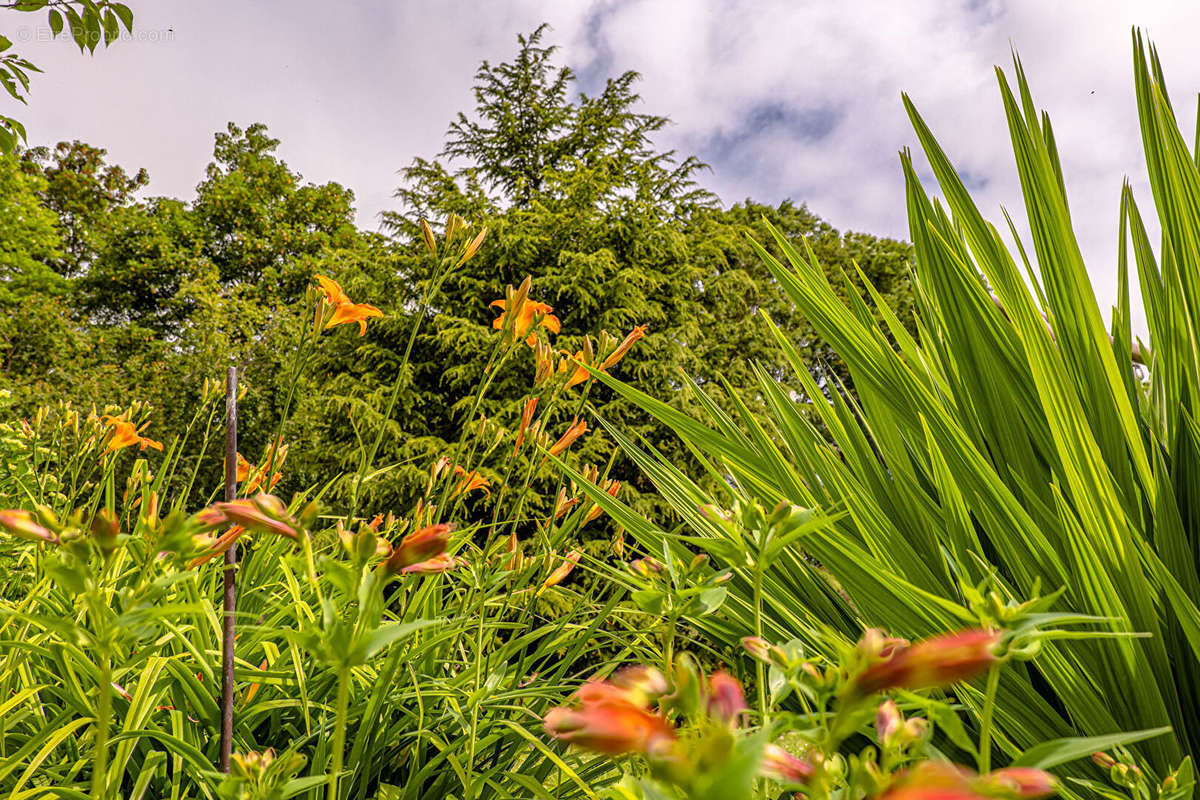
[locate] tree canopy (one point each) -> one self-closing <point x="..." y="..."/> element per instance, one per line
<point x="158" y="293"/>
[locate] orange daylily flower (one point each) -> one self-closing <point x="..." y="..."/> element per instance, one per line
<point x="344" y="310"/>
<point x="636" y="335"/>
<point x="470" y="481"/>
<point x="253" y="476"/>
<point x="126" y="433"/>
<point x="523" y="323"/>
<point x="578" y="428"/>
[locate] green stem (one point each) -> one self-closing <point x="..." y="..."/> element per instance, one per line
<point x="339" y="731"/>
<point x="475" y="693"/>
<point x="985" y="720"/>
<point x="103" y="716"/>
<point x="669" y="645"/>
<point x="366" y="463"/>
<point x="760" y="676"/>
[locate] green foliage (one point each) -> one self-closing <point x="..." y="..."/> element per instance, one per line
<point x="29" y="237"/>
<point x="1014" y="441"/>
<point x="163" y="293"/>
<point x="89" y="22"/>
<point x="615" y="233"/>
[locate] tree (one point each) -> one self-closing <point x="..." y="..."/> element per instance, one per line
<point x="615" y="233"/>
<point x="83" y="190"/>
<point x="257" y="215"/>
<point x="90" y="23"/>
<point x="30" y="238"/>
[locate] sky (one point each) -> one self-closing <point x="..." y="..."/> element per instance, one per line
<point x="782" y="99"/>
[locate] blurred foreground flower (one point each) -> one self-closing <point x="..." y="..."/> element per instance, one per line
<point x="264" y="513"/>
<point x="937" y="661"/>
<point x="23" y="525"/>
<point x="611" y="720"/>
<point x="778" y="764"/>
<point x="936" y="780"/>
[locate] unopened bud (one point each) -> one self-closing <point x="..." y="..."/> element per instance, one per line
<point x="427" y="235"/>
<point x="105" y="528"/>
<point x="887" y="721"/>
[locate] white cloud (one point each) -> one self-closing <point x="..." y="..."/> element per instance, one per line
<point x="783" y="98"/>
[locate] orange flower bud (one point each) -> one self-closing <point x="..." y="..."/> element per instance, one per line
<point x="726" y="701"/>
<point x="887" y="721"/>
<point x="526" y="418"/>
<point x="427" y="235"/>
<point x="757" y="647"/>
<point x="578" y="428"/>
<point x="264" y="513"/>
<point x="559" y="575"/>
<point x="937" y="661"/>
<point x="616" y="355"/>
<point x="778" y="764"/>
<point x="646" y="683"/>
<point x="645" y="567"/>
<point x="439" y="563"/>
<point x="473" y="246"/>
<point x="22" y="525"/>
<point x="1023" y="783"/>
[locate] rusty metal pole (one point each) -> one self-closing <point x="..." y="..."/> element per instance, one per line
<point x="229" y="605"/>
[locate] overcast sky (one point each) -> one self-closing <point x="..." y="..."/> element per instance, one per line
<point x="795" y="100"/>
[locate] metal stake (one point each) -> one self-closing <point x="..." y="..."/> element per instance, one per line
<point x="229" y="606"/>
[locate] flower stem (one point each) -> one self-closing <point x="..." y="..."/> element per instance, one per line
<point x="760" y="676"/>
<point x="475" y="693"/>
<point x="339" y="731"/>
<point x="985" y="719"/>
<point x="103" y="716"/>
